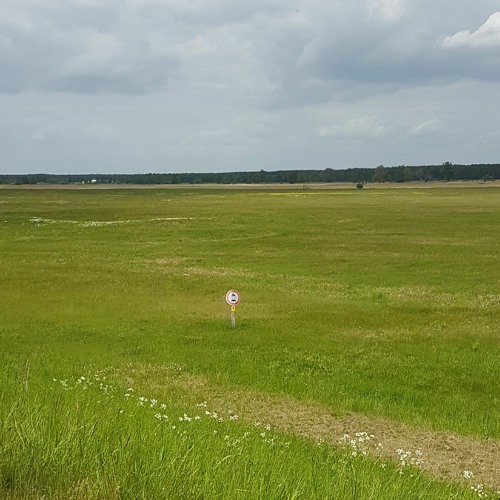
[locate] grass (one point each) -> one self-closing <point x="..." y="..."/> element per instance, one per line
<point x="88" y="439"/>
<point x="383" y="302"/>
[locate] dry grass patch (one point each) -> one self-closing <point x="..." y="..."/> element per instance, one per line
<point x="441" y="454"/>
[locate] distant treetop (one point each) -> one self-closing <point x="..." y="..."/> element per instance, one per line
<point x="402" y="173"/>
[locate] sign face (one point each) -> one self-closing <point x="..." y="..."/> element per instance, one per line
<point x="233" y="298"/>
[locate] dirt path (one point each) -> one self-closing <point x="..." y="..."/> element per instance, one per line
<point x="445" y="455"/>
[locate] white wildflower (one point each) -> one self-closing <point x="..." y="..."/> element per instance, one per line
<point x="479" y="489"/>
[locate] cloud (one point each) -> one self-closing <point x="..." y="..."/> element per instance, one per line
<point x="344" y="52"/>
<point x="473" y="55"/>
<point x="354" y="128"/>
<point x="49" y="134"/>
<point x="387" y="10"/>
<point x="81" y="47"/>
<point x="427" y="127"/>
<point x="488" y="35"/>
<point x="272" y="53"/>
<point x="101" y="132"/>
<point x="334" y="50"/>
<point x="101" y="62"/>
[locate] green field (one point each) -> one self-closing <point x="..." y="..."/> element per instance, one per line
<point x="383" y="303"/>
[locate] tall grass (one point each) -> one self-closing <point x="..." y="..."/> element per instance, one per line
<point x="86" y="438"/>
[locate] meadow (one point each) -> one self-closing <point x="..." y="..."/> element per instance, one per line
<point x="120" y="376"/>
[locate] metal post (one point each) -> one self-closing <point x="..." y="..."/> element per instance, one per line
<point x="233" y="317"/>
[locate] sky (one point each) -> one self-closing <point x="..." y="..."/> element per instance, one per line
<point x="137" y="86"/>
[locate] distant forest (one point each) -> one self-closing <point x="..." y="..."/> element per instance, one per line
<point x="445" y="172"/>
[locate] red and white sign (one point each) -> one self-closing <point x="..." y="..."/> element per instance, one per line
<point x="233" y="298"/>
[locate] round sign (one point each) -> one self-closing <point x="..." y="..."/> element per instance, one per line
<point x="233" y="298"/>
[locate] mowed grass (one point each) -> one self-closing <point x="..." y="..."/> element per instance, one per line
<point x="383" y="302"/>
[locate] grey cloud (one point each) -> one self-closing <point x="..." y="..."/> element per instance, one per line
<point x="295" y="56"/>
<point x="427" y="127"/>
<point x="343" y="53"/>
<point x="79" y="47"/>
<point x="354" y="128"/>
<point x="127" y="67"/>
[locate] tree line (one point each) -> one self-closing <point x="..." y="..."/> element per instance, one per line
<point x="402" y="173"/>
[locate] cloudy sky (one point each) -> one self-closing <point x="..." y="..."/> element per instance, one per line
<point x="135" y="86"/>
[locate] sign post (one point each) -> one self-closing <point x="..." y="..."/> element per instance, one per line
<point x="233" y="299"/>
